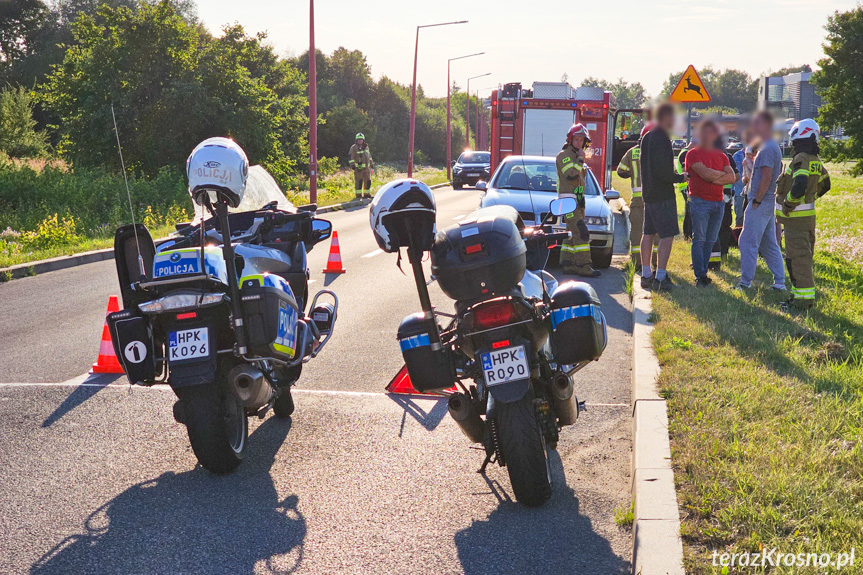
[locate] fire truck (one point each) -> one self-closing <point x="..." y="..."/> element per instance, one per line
<point x="535" y="121"/>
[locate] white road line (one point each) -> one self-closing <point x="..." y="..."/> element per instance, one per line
<point x="458" y="217"/>
<point x="312" y="281"/>
<point x="377" y="252"/>
<point x="80" y="381"/>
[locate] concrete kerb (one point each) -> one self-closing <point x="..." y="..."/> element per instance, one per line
<point x="63" y="262"/>
<point x="657" y="548"/>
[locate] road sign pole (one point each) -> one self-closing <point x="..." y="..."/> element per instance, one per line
<point x="689" y="123"/>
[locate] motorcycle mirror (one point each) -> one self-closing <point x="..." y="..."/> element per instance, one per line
<point x="321" y="230"/>
<point x="562" y="206"/>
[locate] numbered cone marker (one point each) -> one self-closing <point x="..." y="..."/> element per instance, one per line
<point x="107" y="360"/>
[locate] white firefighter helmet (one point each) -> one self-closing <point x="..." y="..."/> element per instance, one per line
<point x="403" y="215"/>
<point x="220" y="165"/>
<point x="804" y="129"/>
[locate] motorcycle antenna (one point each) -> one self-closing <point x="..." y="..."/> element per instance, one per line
<point x="128" y="195"/>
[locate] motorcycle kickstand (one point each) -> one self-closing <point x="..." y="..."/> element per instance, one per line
<point x="485" y="463"/>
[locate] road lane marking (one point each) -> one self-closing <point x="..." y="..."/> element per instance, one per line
<point x="458" y="217"/>
<point x="374" y="253"/>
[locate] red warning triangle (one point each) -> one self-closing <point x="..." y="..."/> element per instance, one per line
<point x="401" y="383"/>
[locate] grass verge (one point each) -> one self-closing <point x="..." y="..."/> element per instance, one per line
<point x="765" y="408"/>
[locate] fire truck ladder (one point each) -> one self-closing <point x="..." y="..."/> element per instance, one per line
<point x="508" y="114"/>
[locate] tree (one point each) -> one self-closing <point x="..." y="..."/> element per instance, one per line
<point x="727" y="88"/>
<point x="18" y="134"/>
<point x="839" y="80"/>
<point x="790" y="70"/>
<point x="627" y="95"/>
<point x="20" y="21"/>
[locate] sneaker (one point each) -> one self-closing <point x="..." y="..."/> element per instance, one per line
<point x="647" y="283"/>
<point x="367" y="196"/>
<point x="742" y="286"/>
<point x="702" y="281"/>
<point x="663" y="285"/>
<point x="778" y="288"/>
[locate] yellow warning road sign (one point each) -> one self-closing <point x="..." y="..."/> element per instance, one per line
<point x="690" y="88"/>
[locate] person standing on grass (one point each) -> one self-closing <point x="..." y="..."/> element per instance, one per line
<point x="710" y="172"/>
<point x="759" y="221"/>
<point x="739" y="186"/>
<point x="658" y="179"/>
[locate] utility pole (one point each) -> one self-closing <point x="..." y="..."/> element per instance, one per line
<point x="313" y="109"/>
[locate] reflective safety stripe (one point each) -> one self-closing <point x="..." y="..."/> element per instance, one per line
<point x="568" y="249"/>
<point x="715" y="256"/>
<point x="803" y="293"/>
<point x="656" y="249"/>
<point x="636" y="189"/>
<point x="636" y="194"/>
<point x="581" y="248"/>
<point x="800" y="211"/>
<point x="801" y="172"/>
<point x="823" y="177"/>
<point x="635" y="250"/>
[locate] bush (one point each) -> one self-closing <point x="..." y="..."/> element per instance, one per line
<point x="51" y="232"/>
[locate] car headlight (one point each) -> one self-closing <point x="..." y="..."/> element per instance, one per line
<point x="181" y="301"/>
<point x="456" y="170"/>
<point x="596" y="221"/>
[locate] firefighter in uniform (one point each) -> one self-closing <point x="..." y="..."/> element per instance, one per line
<point x="630" y="167"/>
<point x="804" y="180"/>
<point x="361" y="162"/>
<point x="575" y="252"/>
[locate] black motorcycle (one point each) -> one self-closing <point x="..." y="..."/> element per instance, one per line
<point x="513" y="343"/>
<point x="224" y="323"/>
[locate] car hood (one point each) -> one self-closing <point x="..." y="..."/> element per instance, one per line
<point x="533" y="202"/>
<point x="473" y="166"/>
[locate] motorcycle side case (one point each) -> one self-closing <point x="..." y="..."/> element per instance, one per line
<point x="578" y="330"/>
<point x="429" y="369"/>
<point x="482" y="255"/>
<point x="132" y="338"/>
<point x="271" y="314"/>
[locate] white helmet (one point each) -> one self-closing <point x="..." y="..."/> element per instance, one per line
<point x="403" y="214"/>
<point x="804" y="129"/>
<point x="218" y="164"/>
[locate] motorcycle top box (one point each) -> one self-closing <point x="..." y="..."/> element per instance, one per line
<point x="578" y="330"/>
<point x="272" y="313"/>
<point x="482" y="255"/>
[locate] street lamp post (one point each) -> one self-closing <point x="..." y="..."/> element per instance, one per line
<point x="448" y="125"/>
<point x="313" y="109"/>
<point x="467" y="108"/>
<point x="414" y="94"/>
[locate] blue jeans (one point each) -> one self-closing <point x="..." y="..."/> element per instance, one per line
<point x="706" y="221"/>
<point x="759" y="231"/>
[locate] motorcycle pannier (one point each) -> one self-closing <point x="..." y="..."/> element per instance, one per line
<point x="578" y="331"/>
<point x="481" y="256"/>
<point x="428" y="368"/>
<point x="271" y="314"/>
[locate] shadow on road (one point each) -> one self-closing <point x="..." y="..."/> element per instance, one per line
<point x="89" y="387"/>
<point x="428" y="419"/>
<point x="520" y="540"/>
<point x="192" y="522"/>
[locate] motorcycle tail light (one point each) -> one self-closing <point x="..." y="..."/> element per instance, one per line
<point x="494" y="314"/>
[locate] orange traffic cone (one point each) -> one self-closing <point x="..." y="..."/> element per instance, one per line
<point x="107" y="360"/>
<point x="401" y="383"/>
<point x="334" y="261"/>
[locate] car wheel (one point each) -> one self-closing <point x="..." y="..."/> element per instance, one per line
<point x="601" y="257"/>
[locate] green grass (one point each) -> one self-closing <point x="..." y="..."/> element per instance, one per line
<point x="624" y="516"/>
<point x="766" y="407"/>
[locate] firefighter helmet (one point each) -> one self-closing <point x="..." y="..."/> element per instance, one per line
<point x="805" y="129"/>
<point x="647" y="127"/>
<point x="219" y="165"/>
<point x="578" y="130"/>
<point x="360" y="136"/>
<point x="403" y="215"/>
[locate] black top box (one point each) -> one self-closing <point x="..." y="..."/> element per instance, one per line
<point x="481" y="256"/>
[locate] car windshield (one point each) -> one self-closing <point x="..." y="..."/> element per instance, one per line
<point x="474" y="158"/>
<point x="534" y="175"/>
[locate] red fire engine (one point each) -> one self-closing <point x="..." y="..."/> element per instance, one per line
<point x="534" y="122"/>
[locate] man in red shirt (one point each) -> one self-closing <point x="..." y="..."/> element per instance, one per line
<point x="709" y="171"/>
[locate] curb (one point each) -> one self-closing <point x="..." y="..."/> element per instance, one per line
<point x="63" y="262"/>
<point x="656" y="545"/>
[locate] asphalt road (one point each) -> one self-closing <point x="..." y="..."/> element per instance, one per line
<point x="102" y="480"/>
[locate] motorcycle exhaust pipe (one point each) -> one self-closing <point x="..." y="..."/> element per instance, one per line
<point x="563" y="398"/>
<point x="250" y="386"/>
<point x="465" y="414"/>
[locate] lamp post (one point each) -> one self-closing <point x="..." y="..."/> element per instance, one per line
<point x="467" y="108"/>
<point x="448" y="125"/>
<point x="482" y="133"/>
<point x="414" y="94"/>
<point x="313" y="109"/>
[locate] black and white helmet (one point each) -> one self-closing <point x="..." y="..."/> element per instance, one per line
<point x="220" y="165"/>
<point x="403" y="215"/>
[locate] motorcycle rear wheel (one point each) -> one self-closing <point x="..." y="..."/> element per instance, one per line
<point x="524" y="451"/>
<point x="217" y="426"/>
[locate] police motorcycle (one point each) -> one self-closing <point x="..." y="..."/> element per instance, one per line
<point x="516" y="337"/>
<point x="219" y="312"/>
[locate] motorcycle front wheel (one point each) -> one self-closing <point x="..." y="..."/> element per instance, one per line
<point x="524" y="452"/>
<point x="217" y="426"/>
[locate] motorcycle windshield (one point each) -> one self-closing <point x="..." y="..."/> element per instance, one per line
<point x="261" y="189"/>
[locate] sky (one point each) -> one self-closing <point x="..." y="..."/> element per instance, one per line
<point x="638" y="40"/>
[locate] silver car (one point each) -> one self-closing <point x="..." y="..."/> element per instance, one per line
<point x="529" y="183"/>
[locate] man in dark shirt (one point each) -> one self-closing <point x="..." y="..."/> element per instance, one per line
<point x="660" y="200"/>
